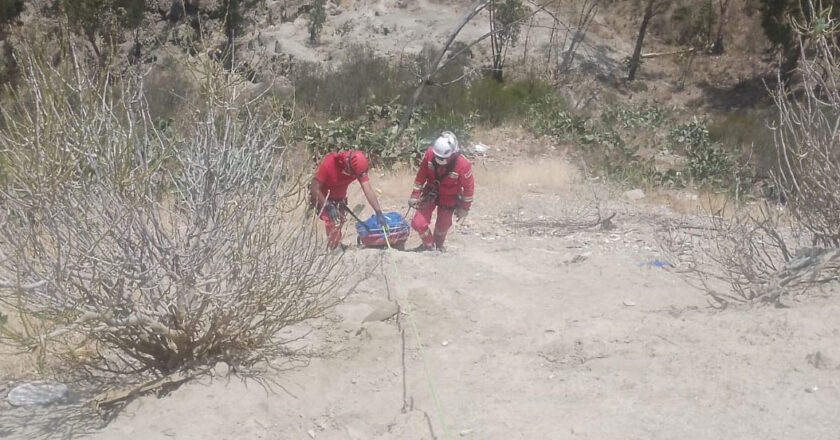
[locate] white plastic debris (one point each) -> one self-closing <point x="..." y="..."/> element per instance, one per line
<point x="36" y="393"/>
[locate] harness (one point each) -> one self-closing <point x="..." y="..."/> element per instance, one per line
<point x="432" y="191"/>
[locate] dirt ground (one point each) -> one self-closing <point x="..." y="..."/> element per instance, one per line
<point x="527" y="332"/>
<point x="530" y="329"/>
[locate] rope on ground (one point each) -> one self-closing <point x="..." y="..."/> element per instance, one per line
<point x="418" y="341"/>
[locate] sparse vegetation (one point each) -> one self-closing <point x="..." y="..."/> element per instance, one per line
<point x="505" y="24"/>
<point x="131" y="249"/>
<point x="317" y="18"/>
<point x="770" y="254"/>
<point x="143" y="231"/>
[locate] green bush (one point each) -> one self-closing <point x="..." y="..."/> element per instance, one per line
<point x="374" y="133"/>
<point x="706" y="161"/>
<point x="633" y="117"/>
<point x="686" y="22"/>
<point x="361" y="79"/>
<point x="364" y="78"/>
<point x="10" y="9"/>
<point x="496" y="103"/>
<point x="550" y="116"/>
<point x="746" y="135"/>
<point x="693" y="24"/>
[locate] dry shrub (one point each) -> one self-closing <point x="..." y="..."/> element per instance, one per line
<point x="733" y="256"/>
<point x="748" y="256"/>
<point x="760" y="254"/>
<point x="807" y="135"/>
<point x="129" y="249"/>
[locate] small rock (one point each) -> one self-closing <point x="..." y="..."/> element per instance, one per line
<point x="384" y="312"/>
<point x="37" y="393"/>
<point x="634" y="194"/>
<point x="629" y="303"/>
<point x="444" y="343"/>
<point x="812" y="389"/>
<point x="465" y="432"/>
<point x="221" y="369"/>
<point x="311" y="433"/>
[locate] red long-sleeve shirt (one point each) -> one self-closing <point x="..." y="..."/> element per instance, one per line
<point x="458" y="182"/>
<point x="333" y="177"/>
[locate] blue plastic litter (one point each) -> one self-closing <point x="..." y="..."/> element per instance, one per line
<point x="656" y="263"/>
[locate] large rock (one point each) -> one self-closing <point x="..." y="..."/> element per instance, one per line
<point x="634" y="194"/>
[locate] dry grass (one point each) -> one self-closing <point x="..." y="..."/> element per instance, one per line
<point x="14" y="364"/>
<point x="689" y="202"/>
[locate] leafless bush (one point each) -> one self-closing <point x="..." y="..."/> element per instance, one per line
<point x="807" y="134"/>
<point x="760" y="254"/>
<point x="734" y="257"/>
<point x="129" y="248"/>
<point x="749" y="256"/>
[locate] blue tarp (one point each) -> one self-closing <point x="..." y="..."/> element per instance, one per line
<point x="396" y="223"/>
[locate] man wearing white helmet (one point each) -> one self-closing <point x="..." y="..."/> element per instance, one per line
<point x="444" y="181"/>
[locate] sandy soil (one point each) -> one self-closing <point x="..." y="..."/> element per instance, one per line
<point x="527" y="333"/>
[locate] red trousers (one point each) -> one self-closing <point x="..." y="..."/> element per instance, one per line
<point x="333" y="228"/>
<point x="423" y="219"/>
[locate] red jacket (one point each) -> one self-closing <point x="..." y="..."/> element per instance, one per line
<point x="334" y="180"/>
<point x="458" y="182"/>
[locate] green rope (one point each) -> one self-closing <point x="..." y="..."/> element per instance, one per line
<point x="419" y="343"/>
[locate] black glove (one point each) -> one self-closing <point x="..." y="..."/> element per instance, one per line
<point x="380" y="217"/>
<point x="460" y="213"/>
<point x="332" y="212"/>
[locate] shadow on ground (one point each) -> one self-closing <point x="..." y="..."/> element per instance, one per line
<point x="748" y="93"/>
<point x="49" y="422"/>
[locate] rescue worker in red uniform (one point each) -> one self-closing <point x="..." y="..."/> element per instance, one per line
<point x="328" y="190"/>
<point x="444" y="183"/>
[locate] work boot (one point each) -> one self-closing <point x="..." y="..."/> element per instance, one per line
<point x="422" y="248"/>
<point x="440" y="248"/>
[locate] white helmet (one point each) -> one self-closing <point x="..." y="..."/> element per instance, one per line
<point x="446" y="145"/>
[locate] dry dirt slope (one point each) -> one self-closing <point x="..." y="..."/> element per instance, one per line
<point x="526" y="337"/>
<point x="531" y="337"/>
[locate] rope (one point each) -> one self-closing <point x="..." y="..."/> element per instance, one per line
<point x="419" y="343"/>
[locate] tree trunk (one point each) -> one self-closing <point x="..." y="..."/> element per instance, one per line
<point x="495" y="43"/>
<point x="717" y="47"/>
<point x="476" y="7"/>
<point x="497" y="73"/>
<point x="637" y="52"/>
<point x="587" y="13"/>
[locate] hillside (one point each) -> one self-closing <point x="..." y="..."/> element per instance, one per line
<point x="628" y="269"/>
